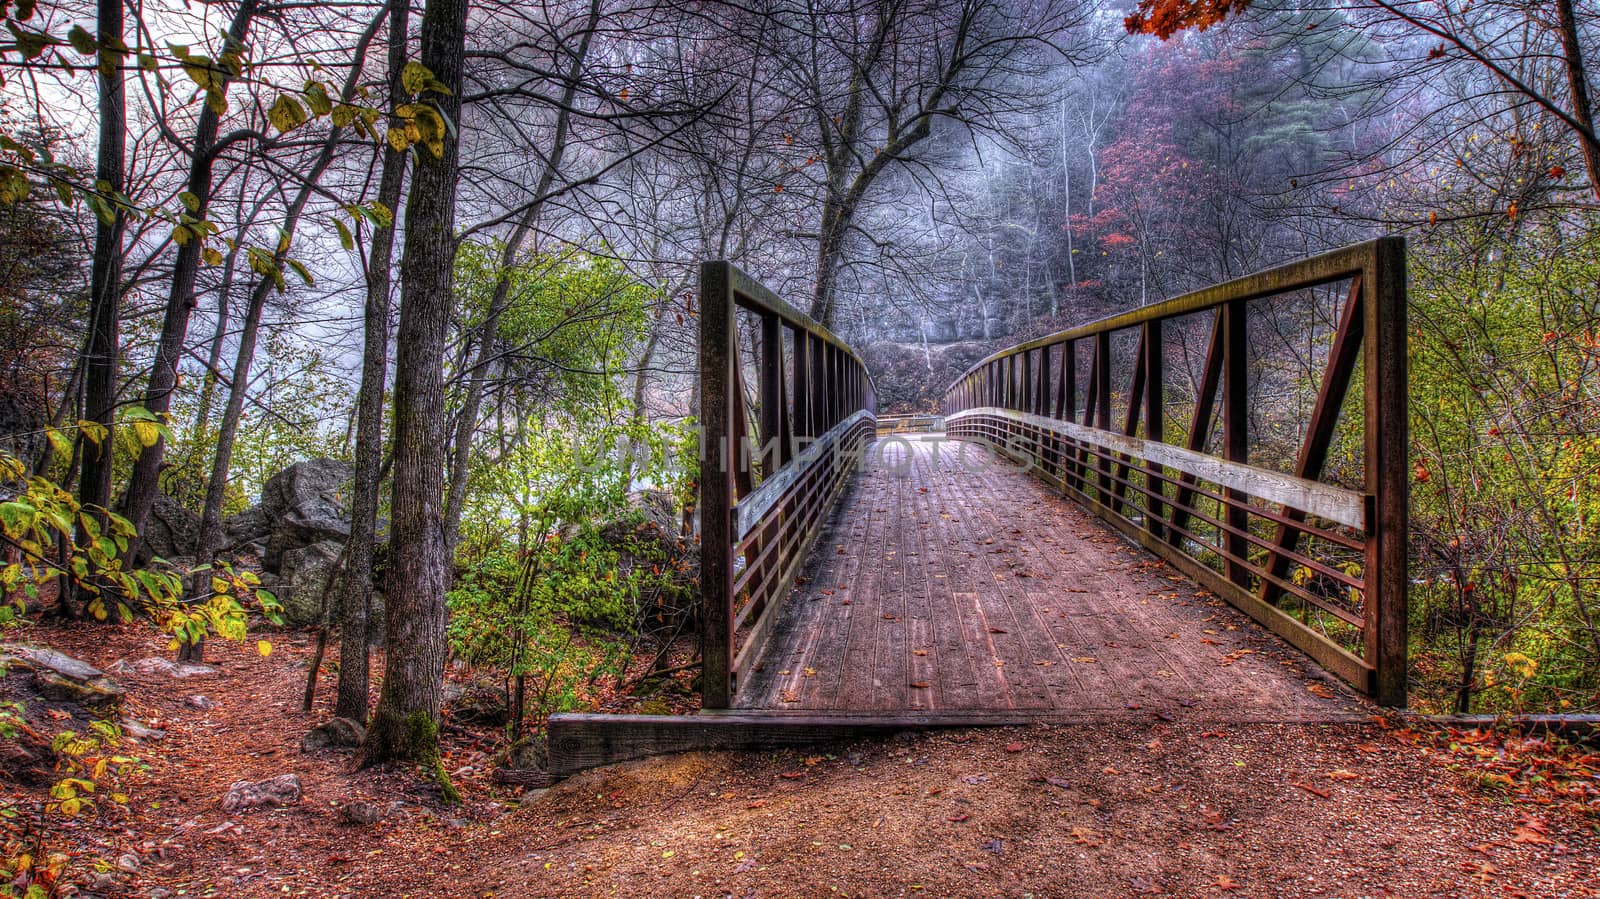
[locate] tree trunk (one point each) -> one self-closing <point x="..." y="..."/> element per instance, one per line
<point x="210" y="537"/>
<point x="105" y="287"/>
<point x="354" y="660"/>
<point x="405" y="723"/>
<point x="467" y="421"/>
<point x="143" y="483"/>
<point x="1578" y="85"/>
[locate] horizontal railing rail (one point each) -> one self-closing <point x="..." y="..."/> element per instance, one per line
<point x="1322" y="565"/>
<point x="767" y="485"/>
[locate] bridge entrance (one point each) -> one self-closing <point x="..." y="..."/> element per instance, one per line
<point x="1194" y="509"/>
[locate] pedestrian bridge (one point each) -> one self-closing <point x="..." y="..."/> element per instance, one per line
<point x="1194" y="510"/>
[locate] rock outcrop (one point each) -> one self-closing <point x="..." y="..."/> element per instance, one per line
<point x="172" y="531"/>
<point x="306" y="503"/>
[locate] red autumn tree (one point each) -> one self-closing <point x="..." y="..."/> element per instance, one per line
<point x="1164" y="18"/>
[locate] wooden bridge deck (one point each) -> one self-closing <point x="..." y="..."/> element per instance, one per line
<point x="950" y="584"/>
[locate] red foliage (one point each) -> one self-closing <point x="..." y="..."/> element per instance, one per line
<point x="1164" y="18"/>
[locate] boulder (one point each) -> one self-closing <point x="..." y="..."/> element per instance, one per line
<point x="340" y="733"/>
<point x="304" y="504"/>
<point x="300" y="578"/>
<point x="362" y="813"/>
<point x="249" y="526"/>
<point x="480" y="704"/>
<point x="58" y="677"/>
<point x="156" y="665"/>
<point x="100" y="695"/>
<point x="245" y="795"/>
<point x="526" y="754"/>
<point x="172" y="531"/>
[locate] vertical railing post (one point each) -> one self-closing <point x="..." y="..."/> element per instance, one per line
<point x="1236" y="432"/>
<point x="1102" y="411"/>
<point x="1154" y="427"/>
<point x="819" y="387"/>
<point x="1388" y="470"/>
<point x="1025" y="398"/>
<point x="770" y="388"/>
<point x="718" y="406"/>
<point x="802" y="384"/>
<point x="1067" y="401"/>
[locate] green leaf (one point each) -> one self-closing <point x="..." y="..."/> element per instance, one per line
<point x="317" y="98"/>
<point x="31" y="44"/>
<point x="92" y="431"/>
<point x="148" y="433"/>
<point x="82" y="41"/>
<point x="301" y="270"/>
<point x="58" y="441"/>
<point x="286" y="113"/>
<point x="190" y="201"/>
<point x="346" y="239"/>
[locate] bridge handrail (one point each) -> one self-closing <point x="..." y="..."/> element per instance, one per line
<point x="1155" y="491"/>
<point x="816" y="406"/>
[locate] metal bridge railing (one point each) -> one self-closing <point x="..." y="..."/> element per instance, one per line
<point x="767" y="485"/>
<point x="1321" y="564"/>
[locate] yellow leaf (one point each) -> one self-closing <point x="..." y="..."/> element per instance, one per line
<point x="148" y="432"/>
<point x="263" y="647"/>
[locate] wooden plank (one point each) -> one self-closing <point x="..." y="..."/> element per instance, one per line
<point x="1336" y="660"/>
<point x="1235" y="430"/>
<point x="1335" y="504"/>
<point x="581" y="741"/>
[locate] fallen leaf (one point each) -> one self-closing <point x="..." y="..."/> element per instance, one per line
<point x="919" y="685"/>
<point x="1527" y="833"/>
<point x="1014" y="747"/>
<point x="1320" y="793"/>
<point x="1226" y="883"/>
<point x="957" y="819"/>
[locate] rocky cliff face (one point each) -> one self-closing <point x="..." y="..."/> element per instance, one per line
<point x="910" y="378"/>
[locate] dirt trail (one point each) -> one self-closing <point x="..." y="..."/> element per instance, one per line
<point x="1179" y="808"/>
